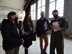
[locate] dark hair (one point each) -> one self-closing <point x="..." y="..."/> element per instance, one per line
<point x="27" y="20"/>
<point x="10" y="14"/>
<point x="55" y="11"/>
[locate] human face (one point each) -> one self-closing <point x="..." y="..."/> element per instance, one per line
<point x="13" y="17"/>
<point x="42" y="14"/>
<point x="29" y="16"/>
<point x="55" y="14"/>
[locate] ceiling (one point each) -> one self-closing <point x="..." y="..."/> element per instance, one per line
<point x="16" y="4"/>
<point x="13" y="5"/>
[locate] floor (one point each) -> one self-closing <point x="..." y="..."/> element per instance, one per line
<point x="35" y="49"/>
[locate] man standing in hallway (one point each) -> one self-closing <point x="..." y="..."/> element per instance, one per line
<point x="57" y="39"/>
<point x="42" y="27"/>
<point x="11" y="34"/>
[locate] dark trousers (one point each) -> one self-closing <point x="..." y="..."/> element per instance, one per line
<point x="57" y="43"/>
<point x="12" y="51"/>
<point x="26" y="50"/>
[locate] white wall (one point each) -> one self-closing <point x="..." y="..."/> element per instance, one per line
<point x="16" y="4"/>
<point x="68" y="15"/>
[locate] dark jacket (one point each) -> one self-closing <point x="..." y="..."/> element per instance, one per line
<point x="40" y="26"/>
<point x="27" y="38"/>
<point x="11" y="38"/>
<point x="62" y="23"/>
<point x="57" y="36"/>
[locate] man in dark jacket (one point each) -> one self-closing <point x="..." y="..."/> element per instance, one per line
<point x="42" y="27"/>
<point x="10" y="34"/>
<point x="57" y="40"/>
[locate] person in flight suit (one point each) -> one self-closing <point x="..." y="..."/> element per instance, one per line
<point x="57" y="27"/>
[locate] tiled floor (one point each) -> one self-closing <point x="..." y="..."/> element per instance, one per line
<point x="35" y="49"/>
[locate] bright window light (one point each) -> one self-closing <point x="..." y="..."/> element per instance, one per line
<point x="33" y="11"/>
<point x="59" y="7"/>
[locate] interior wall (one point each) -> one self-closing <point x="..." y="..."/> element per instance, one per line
<point x="68" y="15"/>
<point x="16" y="4"/>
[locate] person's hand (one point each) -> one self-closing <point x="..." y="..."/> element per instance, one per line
<point x="26" y="33"/>
<point x="19" y="42"/>
<point x="22" y="41"/>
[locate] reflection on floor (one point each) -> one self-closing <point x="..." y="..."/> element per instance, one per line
<point x="35" y="49"/>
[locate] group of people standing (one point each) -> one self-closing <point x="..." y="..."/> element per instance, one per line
<point x="15" y="35"/>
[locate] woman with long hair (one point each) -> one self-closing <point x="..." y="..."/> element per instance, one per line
<point x="28" y="28"/>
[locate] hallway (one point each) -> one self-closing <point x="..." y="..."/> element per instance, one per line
<point x="34" y="49"/>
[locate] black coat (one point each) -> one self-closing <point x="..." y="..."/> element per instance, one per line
<point x="11" y="38"/>
<point x="27" y="38"/>
<point x="40" y="27"/>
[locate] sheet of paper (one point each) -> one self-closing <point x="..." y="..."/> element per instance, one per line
<point x="55" y="26"/>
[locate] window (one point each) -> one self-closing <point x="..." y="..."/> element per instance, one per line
<point x="41" y="7"/>
<point x="56" y="4"/>
<point x="38" y="13"/>
<point x="52" y="0"/>
<point x="43" y="2"/>
<point x="33" y="11"/>
<point x="60" y="7"/>
<point x="39" y="3"/>
<point x="51" y="8"/>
